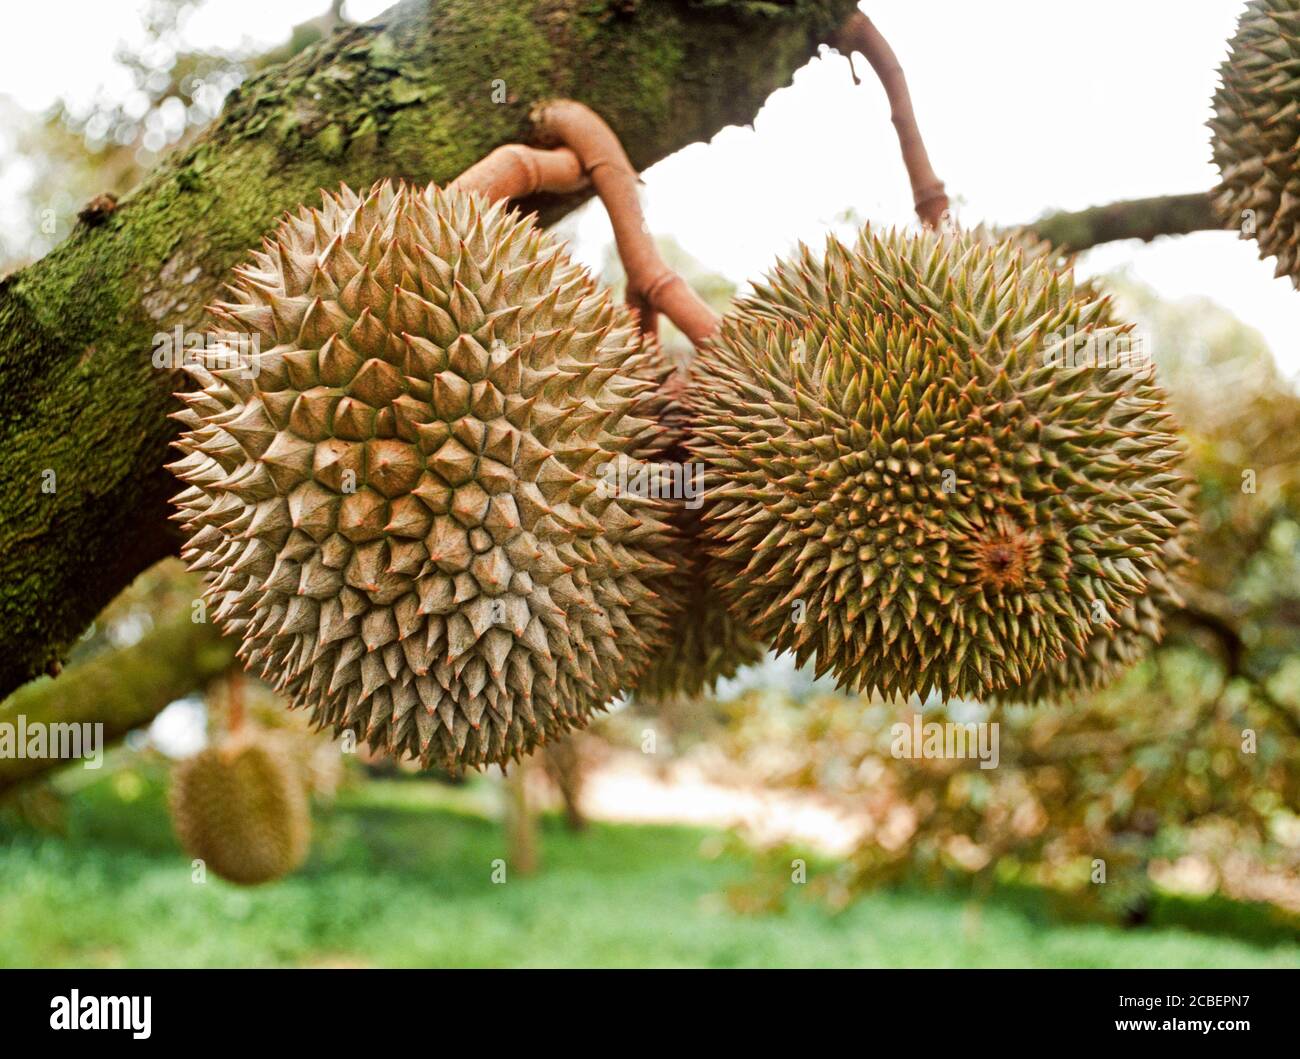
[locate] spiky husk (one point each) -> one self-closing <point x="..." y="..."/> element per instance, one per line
<point x="395" y="500"/>
<point x="241" y="807"/>
<point x="909" y="484"/>
<point x="1256" y="131"/>
<point x="706" y="642"/>
<point x="1108" y="652"/>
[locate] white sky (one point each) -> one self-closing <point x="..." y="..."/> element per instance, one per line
<point x="1026" y="105"/>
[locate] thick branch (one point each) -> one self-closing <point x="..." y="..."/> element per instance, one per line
<point x="859" y="34"/>
<point x="422" y="92"/>
<point x="121" y="689"/>
<point x="1132" y="219"/>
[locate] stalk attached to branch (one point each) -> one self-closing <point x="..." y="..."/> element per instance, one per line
<point x="652" y="287"/>
<point x="591" y="155"/>
<point x="514" y="171"/>
<point x="859" y="34"/>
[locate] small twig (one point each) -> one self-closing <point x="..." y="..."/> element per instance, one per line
<point x="652" y="287"/>
<point x="859" y="34"/>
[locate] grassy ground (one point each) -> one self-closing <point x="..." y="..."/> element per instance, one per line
<point x="401" y="877"/>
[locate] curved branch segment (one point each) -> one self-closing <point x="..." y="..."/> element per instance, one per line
<point x="859" y="33"/>
<point x="652" y="287"/>
<point x="514" y="171"/>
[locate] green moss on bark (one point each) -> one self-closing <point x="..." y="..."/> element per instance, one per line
<point x="1144" y="219"/>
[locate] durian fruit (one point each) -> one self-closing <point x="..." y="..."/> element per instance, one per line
<point x="395" y="498"/>
<point x="1256" y="131"/>
<point x="1110" y="650"/>
<point x="910" y="480"/>
<point x="706" y="643"/>
<point x="242" y="808"/>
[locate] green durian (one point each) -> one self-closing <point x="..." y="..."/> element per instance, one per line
<point x="917" y="480"/>
<point x="1256" y="132"/>
<point x="1110" y="650"/>
<point x="242" y="808"/>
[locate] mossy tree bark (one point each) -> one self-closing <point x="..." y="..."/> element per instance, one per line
<point x="421" y="92"/>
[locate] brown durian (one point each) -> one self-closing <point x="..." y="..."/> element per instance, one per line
<point x="395" y="497"/>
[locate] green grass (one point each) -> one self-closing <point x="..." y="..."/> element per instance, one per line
<point x="400" y="875"/>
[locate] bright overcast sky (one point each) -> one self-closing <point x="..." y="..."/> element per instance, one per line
<point x="1027" y="106"/>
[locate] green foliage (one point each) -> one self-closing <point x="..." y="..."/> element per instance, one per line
<point x="398" y="878"/>
<point x="1153" y="768"/>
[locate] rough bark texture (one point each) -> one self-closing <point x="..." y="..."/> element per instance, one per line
<point x="1133" y="219"/>
<point x="408" y="95"/>
<point x="121" y="689"/>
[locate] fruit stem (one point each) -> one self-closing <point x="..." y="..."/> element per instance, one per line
<point x="590" y="155"/>
<point x="515" y="170"/>
<point x="859" y="33"/>
<point x="652" y="286"/>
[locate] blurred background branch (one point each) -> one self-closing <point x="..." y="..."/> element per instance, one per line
<point x="1074" y="230"/>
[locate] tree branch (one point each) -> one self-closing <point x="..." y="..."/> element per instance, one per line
<point x="121" y="689"/>
<point x="422" y="92"/>
<point x="1142" y="219"/>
